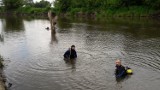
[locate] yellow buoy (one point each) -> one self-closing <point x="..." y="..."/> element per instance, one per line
<point x="129" y="71"/>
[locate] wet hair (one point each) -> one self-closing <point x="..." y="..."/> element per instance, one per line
<point x="73" y="46"/>
<point x="118" y="62"/>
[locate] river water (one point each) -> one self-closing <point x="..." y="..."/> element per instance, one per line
<point x="33" y="56"/>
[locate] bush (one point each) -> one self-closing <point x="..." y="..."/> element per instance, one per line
<point x="32" y="10"/>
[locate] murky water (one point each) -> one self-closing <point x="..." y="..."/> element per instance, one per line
<point x="34" y="56"/>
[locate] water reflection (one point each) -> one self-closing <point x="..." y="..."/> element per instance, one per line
<point x="71" y="63"/>
<point x="64" y="23"/>
<point x="37" y="66"/>
<point x="119" y="82"/>
<point x="1" y="30"/>
<point x="53" y="37"/>
<point x="122" y="79"/>
<point x="1" y="37"/>
<point x="13" y="23"/>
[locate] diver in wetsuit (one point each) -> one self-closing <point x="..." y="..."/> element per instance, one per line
<point x="71" y="53"/>
<point x="120" y="70"/>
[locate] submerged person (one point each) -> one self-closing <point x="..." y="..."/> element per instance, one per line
<point x="47" y="28"/>
<point x="120" y="69"/>
<point x="71" y="53"/>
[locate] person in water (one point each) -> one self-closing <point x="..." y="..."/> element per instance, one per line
<point x="71" y="53"/>
<point x="120" y="70"/>
<point x="47" y="28"/>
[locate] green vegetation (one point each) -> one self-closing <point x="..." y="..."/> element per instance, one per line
<point x="12" y="4"/>
<point x="98" y="8"/>
<point x="108" y="7"/>
<point x="25" y="7"/>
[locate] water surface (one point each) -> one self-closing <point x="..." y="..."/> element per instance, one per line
<point x="34" y="56"/>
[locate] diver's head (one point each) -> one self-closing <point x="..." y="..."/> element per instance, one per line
<point x="73" y="47"/>
<point x="118" y="62"/>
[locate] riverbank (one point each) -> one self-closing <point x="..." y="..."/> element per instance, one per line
<point x="132" y="11"/>
<point x="2" y="83"/>
<point x="26" y="11"/>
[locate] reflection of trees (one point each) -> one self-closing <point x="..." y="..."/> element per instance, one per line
<point x="138" y="27"/>
<point x="64" y="23"/>
<point x="1" y="33"/>
<point x="13" y="23"/>
<point x="71" y="63"/>
<point x="1" y="64"/>
<point x="53" y="36"/>
<point x="1" y="37"/>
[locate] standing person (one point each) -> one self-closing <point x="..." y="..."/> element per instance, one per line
<point x="71" y="53"/>
<point x="120" y="70"/>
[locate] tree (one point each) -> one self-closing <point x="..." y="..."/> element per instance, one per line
<point x="42" y="4"/>
<point x="12" y="4"/>
<point x="62" y="5"/>
<point x="29" y="3"/>
<point x="153" y="3"/>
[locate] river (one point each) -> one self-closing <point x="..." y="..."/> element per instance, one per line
<point x="33" y="56"/>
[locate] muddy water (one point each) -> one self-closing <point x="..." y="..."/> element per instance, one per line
<point x="33" y="56"/>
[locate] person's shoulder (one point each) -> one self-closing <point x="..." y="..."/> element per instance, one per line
<point x="68" y="50"/>
<point x="122" y="66"/>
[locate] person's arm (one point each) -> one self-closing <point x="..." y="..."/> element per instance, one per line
<point x="66" y="54"/>
<point x="75" y="54"/>
<point x="120" y="74"/>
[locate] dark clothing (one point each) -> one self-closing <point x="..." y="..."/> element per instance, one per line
<point x="70" y="54"/>
<point x="120" y="71"/>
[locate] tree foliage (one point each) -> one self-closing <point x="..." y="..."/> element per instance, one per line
<point x="96" y="5"/>
<point x="42" y="4"/>
<point x="12" y="4"/>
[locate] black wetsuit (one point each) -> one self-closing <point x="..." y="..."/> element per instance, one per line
<point x="120" y="71"/>
<point x="70" y="54"/>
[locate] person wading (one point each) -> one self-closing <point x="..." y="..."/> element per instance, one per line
<point x="71" y="53"/>
<point x="120" y="70"/>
